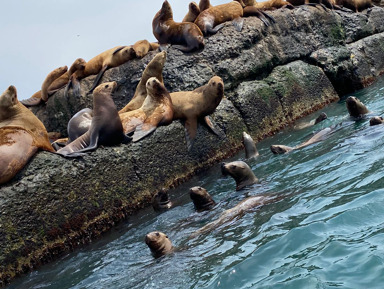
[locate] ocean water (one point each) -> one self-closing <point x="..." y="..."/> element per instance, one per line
<point x="326" y="231"/>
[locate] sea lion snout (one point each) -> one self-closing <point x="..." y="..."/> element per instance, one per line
<point x="224" y="170"/>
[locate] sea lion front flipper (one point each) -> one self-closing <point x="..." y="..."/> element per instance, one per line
<point x="142" y="131"/>
<point x="269" y="17"/>
<point x="209" y="124"/>
<point x="32" y="101"/>
<point x="98" y="77"/>
<point x="238" y="22"/>
<point x="217" y="28"/>
<point x="190" y="128"/>
<point x="67" y="87"/>
<point x="118" y="49"/>
<point x="76" y="87"/>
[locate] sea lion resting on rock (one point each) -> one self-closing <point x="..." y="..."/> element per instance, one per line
<point x="240" y="172"/>
<point x="320" y="136"/>
<point x="184" y="36"/>
<point x="161" y="201"/>
<point x="159" y="244"/>
<point x="193" y="12"/>
<point x="355" y="107"/>
<point x="155" y="111"/>
<point x="153" y="69"/>
<point x="201" y="199"/>
<point x="204" y="5"/>
<point x="249" y="146"/>
<point x="21" y="135"/>
<point x="106" y="127"/>
<point x="195" y="106"/>
<point x="142" y="47"/>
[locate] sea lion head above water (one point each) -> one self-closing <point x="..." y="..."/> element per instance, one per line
<point x="161" y="201"/>
<point x="159" y="243"/>
<point x="201" y="198"/>
<point x="376" y="120"/>
<point x="280" y="149"/>
<point x="240" y="172"/>
<point x="249" y="146"/>
<point x="355" y="107"/>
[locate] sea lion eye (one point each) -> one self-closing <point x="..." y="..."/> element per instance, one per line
<point x="107" y="86"/>
<point x="157" y="234"/>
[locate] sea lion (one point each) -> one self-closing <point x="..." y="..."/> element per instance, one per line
<point x="193" y="12"/>
<point x="156" y="110"/>
<point x="355" y="107"/>
<point x="53" y="75"/>
<point x="355" y="5"/>
<point x="249" y="146"/>
<point x="204" y="5"/>
<point x="273" y="4"/>
<point x="106" y="127"/>
<point x="240" y="172"/>
<point x="320" y="136"/>
<point x="21" y="135"/>
<point x="34" y="100"/>
<point x="212" y="19"/>
<point x="376" y="120"/>
<point x="184" y="36"/>
<point x="159" y="244"/>
<point x="153" y="69"/>
<point x="201" y="199"/>
<point x="142" y="47"/>
<point x="322" y="116"/>
<point x="161" y="201"/>
<point x="195" y="106"/>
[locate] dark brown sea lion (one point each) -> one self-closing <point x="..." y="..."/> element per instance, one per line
<point x="106" y="128"/>
<point x="159" y="244"/>
<point x="201" y="199"/>
<point x="161" y="201"/>
<point x="212" y="19"/>
<point x="240" y="172"/>
<point x="320" y="136"/>
<point x="142" y="47"/>
<point x="376" y="120"/>
<point x="184" y="36"/>
<point x="355" y="107"/>
<point x="195" y="106"/>
<point x="193" y="12"/>
<point x="21" y="135"/>
<point x="249" y="146"/>
<point x="153" y="69"/>
<point x="156" y="110"/>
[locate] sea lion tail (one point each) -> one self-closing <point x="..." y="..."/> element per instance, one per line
<point x="32" y="101"/>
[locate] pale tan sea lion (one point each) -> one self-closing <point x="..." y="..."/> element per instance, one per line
<point x="106" y="128"/>
<point x="212" y="19"/>
<point x="193" y="12"/>
<point x="240" y="172"/>
<point x="21" y="135"/>
<point x="355" y="107"/>
<point x="249" y="146"/>
<point x="158" y="243"/>
<point x="51" y="77"/>
<point x="142" y="47"/>
<point x="156" y="110"/>
<point x="161" y="201"/>
<point x="184" y="36"/>
<point x="194" y="106"/>
<point x="201" y="199"/>
<point x="153" y="69"/>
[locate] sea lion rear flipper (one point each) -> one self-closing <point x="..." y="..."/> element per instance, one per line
<point x="190" y="128"/>
<point x="67" y="87"/>
<point x="209" y="124"/>
<point x="238" y="23"/>
<point x="32" y="101"/>
<point x="217" y="28"/>
<point x="142" y="131"/>
<point x="76" y="87"/>
<point x="98" y="77"/>
<point x="269" y="17"/>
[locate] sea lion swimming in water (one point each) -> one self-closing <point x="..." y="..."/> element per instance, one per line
<point x="161" y="201"/>
<point x="184" y="36"/>
<point x="22" y="134"/>
<point x="158" y="243"/>
<point x="249" y="146"/>
<point x="376" y="120"/>
<point x="322" y="116"/>
<point x="201" y="199"/>
<point x="240" y="172"/>
<point x="355" y="107"/>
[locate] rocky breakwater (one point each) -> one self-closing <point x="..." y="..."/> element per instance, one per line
<point x="273" y="76"/>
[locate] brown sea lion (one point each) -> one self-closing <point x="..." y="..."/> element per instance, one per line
<point x="156" y="110"/>
<point x="320" y="136"/>
<point x="249" y="146"/>
<point x="376" y="120"/>
<point x="161" y="201"/>
<point x="204" y="5"/>
<point x="159" y="244"/>
<point x="52" y="76"/>
<point x="355" y="5"/>
<point x="193" y="12"/>
<point x="21" y="135"/>
<point x="153" y="69"/>
<point x="184" y="36"/>
<point x="212" y="19"/>
<point x="194" y="107"/>
<point x="201" y="199"/>
<point x="240" y="172"/>
<point x="355" y="107"/>
<point x="322" y="116"/>
<point x="106" y="127"/>
<point x="142" y="47"/>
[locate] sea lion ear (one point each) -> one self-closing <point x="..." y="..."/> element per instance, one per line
<point x="166" y="236"/>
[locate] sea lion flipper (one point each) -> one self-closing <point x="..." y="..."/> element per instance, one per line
<point x="98" y="77"/>
<point x="269" y="17"/>
<point x="238" y="22"/>
<point x="118" y="49"/>
<point x="142" y="131"/>
<point x="32" y="101"/>
<point x="216" y="28"/>
<point x="76" y="87"/>
<point x="209" y="124"/>
<point x="67" y="87"/>
<point x="190" y="127"/>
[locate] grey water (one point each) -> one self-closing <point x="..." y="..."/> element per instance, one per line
<point x="326" y="232"/>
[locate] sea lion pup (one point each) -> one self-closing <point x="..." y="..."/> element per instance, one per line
<point x="21" y="135"/>
<point x="249" y="146"/>
<point x="320" y="136"/>
<point x="159" y="244"/>
<point x="106" y="127"/>
<point x="376" y="120"/>
<point x="156" y="110"/>
<point x="161" y="201"/>
<point x="153" y="69"/>
<point x="142" y="47"/>
<point x="212" y="19"/>
<point x="193" y="12"/>
<point x="201" y="199"/>
<point x="240" y="172"/>
<point x="195" y="106"/>
<point x="184" y="36"/>
<point x="355" y="107"/>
